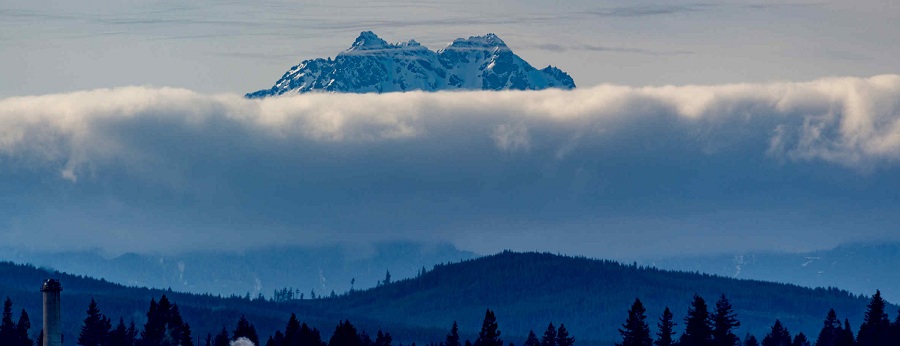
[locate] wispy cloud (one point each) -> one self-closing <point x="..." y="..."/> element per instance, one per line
<point x="556" y="47"/>
<point x="650" y="10"/>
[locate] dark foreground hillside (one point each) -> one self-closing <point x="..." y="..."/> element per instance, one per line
<point x="526" y="290"/>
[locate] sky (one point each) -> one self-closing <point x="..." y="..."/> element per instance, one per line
<point x="696" y="128"/>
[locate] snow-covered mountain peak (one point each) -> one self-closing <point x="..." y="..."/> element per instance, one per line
<point x="371" y="64"/>
<point x="367" y="40"/>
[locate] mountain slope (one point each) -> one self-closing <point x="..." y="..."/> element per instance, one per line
<point x="526" y="290"/>
<point x="322" y="269"/>
<point x="373" y="65"/>
<point x="860" y="268"/>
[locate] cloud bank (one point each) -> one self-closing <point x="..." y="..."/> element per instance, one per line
<point x="116" y="167"/>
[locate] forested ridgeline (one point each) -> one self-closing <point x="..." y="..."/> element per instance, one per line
<point x="526" y="289"/>
<point x="702" y="326"/>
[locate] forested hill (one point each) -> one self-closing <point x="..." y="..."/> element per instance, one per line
<point x="526" y="290"/>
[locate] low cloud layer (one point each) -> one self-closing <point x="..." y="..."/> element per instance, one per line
<point x="115" y="168"/>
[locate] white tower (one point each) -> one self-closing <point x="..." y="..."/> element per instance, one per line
<point x="52" y="328"/>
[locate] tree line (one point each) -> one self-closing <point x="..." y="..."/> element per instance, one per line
<point x="703" y="327"/>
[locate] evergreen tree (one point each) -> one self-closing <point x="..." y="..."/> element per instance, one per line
<point x="292" y="332"/>
<point x="22" y="328"/>
<point x="549" y="338"/>
<point x="724" y="321"/>
<point x="635" y="331"/>
<point x="222" y="338"/>
<point x="490" y="333"/>
<point x="876" y="327"/>
<point x="186" y="338"/>
<point x="750" y="340"/>
<point x="829" y="334"/>
<point x="387" y="278"/>
<point x="895" y="327"/>
<point x="453" y="338"/>
<point x="310" y="336"/>
<point x="8" y="333"/>
<point x="562" y="336"/>
<point x="179" y="332"/>
<point x="208" y="341"/>
<point x="119" y="336"/>
<point x="278" y="339"/>
<point x="666" y="329"/>
<point x="132" y="333"/>
<point x="532" y="339"/>
<point x="40" y="338"/>
<point x="155" y="328"/>
<point x="345" y="335"/>
<point x="697" y="328"/>
<point x="245" y="329"/>
<point x="383" y="339"/>
<point x="800" y="340"/>
<point x="95" y="328"/>
<point x="779" y="336"/>
<point x="270" y="341"/>
<point x="845" y="335"/>
<point x="365" y="339"/>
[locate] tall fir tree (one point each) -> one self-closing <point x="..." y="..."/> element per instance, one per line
<point x="697" y="327"/>
<point x="310" y="336"/>
<point x="186" y="338"/>
<point x="40" y="338"/>
<point x="724" y="322"/>
<point x="292" y="332"/>
<point x="635" y="331"/>
<point x="22" y="328"/>
<point x="155" y="328"/>
<point x="750" y="340"/>
<point x="132" y="333"/>
<point x="452" y="338"/>
<point x="222" y="338"/>
<point x="365" y="339"/>
<point x="490" y="331"/>
<point x="383" y="339"/>
<point x="8" y="333"/>
<point x="549" y="338"/>
<point x="118" y="336"/>
<point x="778" y="336"/>
<point x="178" y="331"/>
<point x="666" y="329"/>
<point x="95" y="327"/>
<point x="876" y="327"/>
<point x="245" y="329"/>
<point x="562" y="336"/>
<point x="278" y="339"/>
<point x="532" y="339"/>
<point x="845" y="335"/>
<point x="345" y="334"/>
<point x="800" y="340"/>
<point x="829" y="334"/>
<point x="387" y="278"/>
<point x="895" y="330"/>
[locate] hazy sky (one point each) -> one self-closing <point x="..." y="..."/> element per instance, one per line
<point x="781" y="129"/>
<point x="240" y="46"/>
